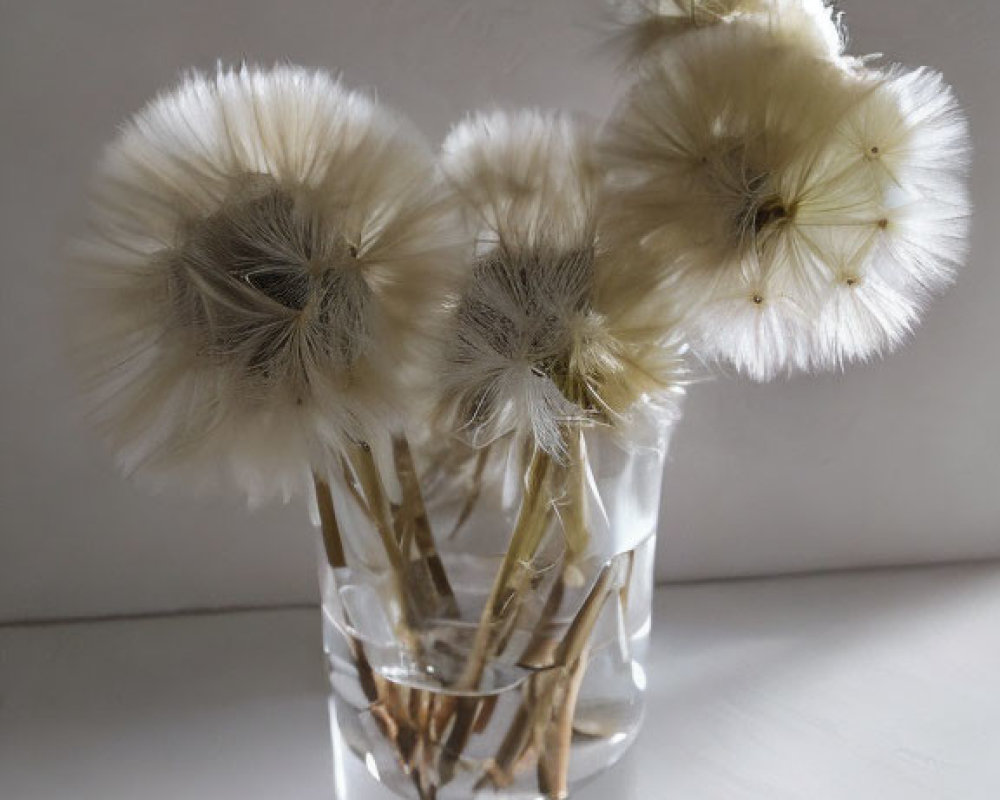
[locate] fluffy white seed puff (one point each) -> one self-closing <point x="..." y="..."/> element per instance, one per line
<point x="266" y="248"/>
<point x="645" y="26"/>
<point x="801" y="212"/>
<point x="548" y="331"/>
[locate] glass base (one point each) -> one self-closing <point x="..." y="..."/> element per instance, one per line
<point x="533" y="733"/>
<point x="356" y="775"/>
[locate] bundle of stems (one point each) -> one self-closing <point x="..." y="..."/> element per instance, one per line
<point x="419" y="579"/>
<point x="430" y="728"/>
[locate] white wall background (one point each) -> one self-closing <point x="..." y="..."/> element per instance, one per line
<point x="897" y="462"/>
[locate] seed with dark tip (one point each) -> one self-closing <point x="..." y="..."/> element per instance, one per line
<point x="768" y="212"/>
<point x="757" y="299"/>
<point x="883" y="223"/>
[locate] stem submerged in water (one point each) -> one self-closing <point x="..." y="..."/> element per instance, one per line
<point x="545" y="718"/>
<point x="502" y="606"/>
<point x="430" y="728"/>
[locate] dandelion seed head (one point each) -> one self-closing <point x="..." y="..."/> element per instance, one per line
<point x="266" y="251"/>
<point x="645" y="27"/>
<point x="546" y="332"/>
<point x="749" y="169"/>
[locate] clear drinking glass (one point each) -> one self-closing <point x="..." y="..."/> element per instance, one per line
<point x="496" y="649"/>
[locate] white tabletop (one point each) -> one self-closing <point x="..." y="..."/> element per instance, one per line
<point x="878" y="685"/>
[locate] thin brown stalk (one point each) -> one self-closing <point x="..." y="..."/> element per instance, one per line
<point x="573" y="507"/>
<point x="400" y="712"/>
<point x="541" y="650"/>
<point x="528" y="533"/>
<point x="411" y="517"/>
<point x="555" y="756"/>
<point x="366" y="472"/>
<point x="553" y="761"/>
<point x="623" y="593"/>
<point x="552" y="712"/>
<point x="416" y="605"/>
<point x="460" y="713"/>
<point x="335" y="556"/>
<point x="475" y="490"/>
<point x="586" y="618"/>
<point x="499" y="611"/>
<point x="542" y="709"/>
<point x="501" y="770"/>
<point x="367" y="678"/>
<point x="333" y="545"/>
<point x="333" y="542"/>
<point x="352" y="489"/>
<point x="485" y="714"/>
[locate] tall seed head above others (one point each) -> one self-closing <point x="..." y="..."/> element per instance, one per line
<point x="546" y="333"/>
<point x="800" y="209"/>
<point x="265" y="250"/>
<point x="644" y="27"/>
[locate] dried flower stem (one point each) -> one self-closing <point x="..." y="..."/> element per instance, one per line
<point x="502" y="604"/>
<point x="374" y="687"/>
<point x="333" y="542"/>
<point x="573" y="508"/>
<point x="482" y="459"/>
<point x="521" y="737"/>
<point x="553" y="760"/>
<point x="501" y="608"/>
<point x="412" y="524"/>
<point x="541" y="650"/>
<point x="545" y="718"/>
<point x="422" y="585"/>
<point x="554" y="755"/>
<point x="623" y="592"/>
<point x="430" y="730"/>
<point x="366" y="472"/>
<point x="512" y="581"/>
